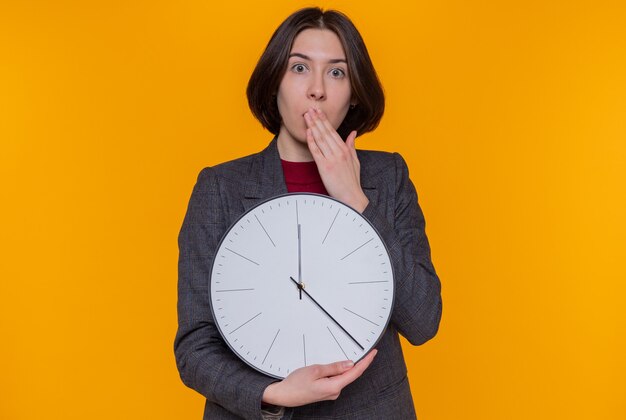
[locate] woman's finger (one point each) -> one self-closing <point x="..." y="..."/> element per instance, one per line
<point x="313" y="148"/>
<point x="331" y="137"/>
<point x="351" y="375"/>
<point x="333" y="369"/>
<point x="350" y="142"/>
<point x="324" y="133"/>
<point x="317" y="135"/>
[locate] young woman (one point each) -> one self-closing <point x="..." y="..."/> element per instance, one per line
<point x="314" y="88"/>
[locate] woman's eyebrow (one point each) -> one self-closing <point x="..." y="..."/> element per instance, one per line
<point x="306" y="57"/>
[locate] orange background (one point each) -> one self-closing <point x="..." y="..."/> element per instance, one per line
<point x="511" y="115"/>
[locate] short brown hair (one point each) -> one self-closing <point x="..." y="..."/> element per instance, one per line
<point x="269" y="71"/>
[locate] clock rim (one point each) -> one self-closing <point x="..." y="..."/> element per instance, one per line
<point x="250" y="210"/>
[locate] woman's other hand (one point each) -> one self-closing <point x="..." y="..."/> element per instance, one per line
<point x="316" y="383"/>
<point x="336" y="160"/>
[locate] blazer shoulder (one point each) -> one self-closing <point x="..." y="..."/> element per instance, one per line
<point x="379" y="164"/>
<point x="232" y="171"/>
<point x="236" y="168"/>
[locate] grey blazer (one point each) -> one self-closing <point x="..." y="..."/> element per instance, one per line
<point x="233" y="390"/>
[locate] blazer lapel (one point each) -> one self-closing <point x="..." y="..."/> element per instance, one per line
<point x="371" y="193"/>
<point x="369" y="179"/>
<point x="266" y="178"/>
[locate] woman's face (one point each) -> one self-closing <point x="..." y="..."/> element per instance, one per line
<point x="316" y="77"/>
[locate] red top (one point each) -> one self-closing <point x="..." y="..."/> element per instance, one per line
<point x="303" y="177"/>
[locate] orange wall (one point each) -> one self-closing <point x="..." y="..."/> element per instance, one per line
<point x="512" y="116"/>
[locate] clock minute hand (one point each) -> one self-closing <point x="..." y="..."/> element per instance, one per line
<point x="299" y="261"/>
<point x="326" y="312"/>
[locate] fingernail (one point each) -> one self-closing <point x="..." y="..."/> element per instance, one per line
<point x="348" y="364"/>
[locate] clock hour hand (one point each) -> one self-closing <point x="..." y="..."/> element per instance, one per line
<point x="301" y="288"/>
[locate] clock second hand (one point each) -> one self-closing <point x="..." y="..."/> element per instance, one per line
<point x="329" y="315"/>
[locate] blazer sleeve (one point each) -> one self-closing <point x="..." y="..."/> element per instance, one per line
<point x="417" y="307"/>
<point x="204" y="361"/>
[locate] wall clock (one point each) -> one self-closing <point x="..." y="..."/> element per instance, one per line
<point x="301" y="279"/>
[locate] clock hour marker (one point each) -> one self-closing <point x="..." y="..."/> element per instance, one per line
<point x="245" y="258"/>
<point x="304" y="348"/>
<point x="359" y="247"/>
<point x="331" y="226"/>
<point x="369" y="282"/>
<point x="271" y="345"/>
<point x="245" y="323"/>
<point x="360" y="316"/>
<point x="331" y="333"/>
<point x="297" y="217"/>
<point x="233" y="290"/>
<point x="263" y="227"/>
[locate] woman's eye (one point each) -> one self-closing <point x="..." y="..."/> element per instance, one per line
<point x="337" y="73"/>
<point x="298" y="68"/>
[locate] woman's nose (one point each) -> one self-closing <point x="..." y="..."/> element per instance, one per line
<point x="316" y="89"/>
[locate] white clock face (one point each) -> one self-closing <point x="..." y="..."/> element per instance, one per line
<point x="301" y="279"/>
